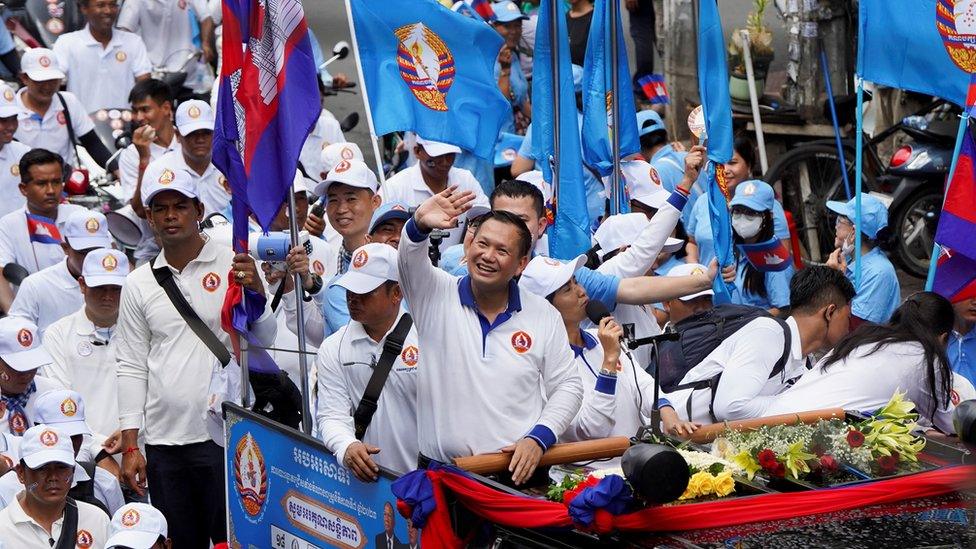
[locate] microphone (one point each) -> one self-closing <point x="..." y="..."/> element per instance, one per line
<point x="597" y="311"/>
<point x="318" y="209"/>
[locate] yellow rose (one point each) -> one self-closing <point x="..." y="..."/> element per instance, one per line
<point x="724" y="484"/>
<point x="701" y="482"/>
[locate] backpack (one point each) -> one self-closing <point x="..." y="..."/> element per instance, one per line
<point x="701" y="334"/>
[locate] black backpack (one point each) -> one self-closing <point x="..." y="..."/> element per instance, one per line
<point x="701" y="334"/>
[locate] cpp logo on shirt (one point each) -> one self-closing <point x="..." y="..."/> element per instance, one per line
<point x="521" y="342"/>
<point x="410" y="356"/>
<point x="84" y="539"/>
<point x="120" y="56"/>
<point x="318" y="267"/>
<point x="210" y="282"/>
<point x="61" y="118"/>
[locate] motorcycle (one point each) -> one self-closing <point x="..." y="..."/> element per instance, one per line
<point x="39" y="23"/>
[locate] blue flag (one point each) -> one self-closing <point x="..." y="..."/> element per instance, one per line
<point x="430" y="70"/>
<point x="569" y="236"/>
<point x="597" y="85"/>
<point x="919" y="45"/>
<point x="713" y="86"/>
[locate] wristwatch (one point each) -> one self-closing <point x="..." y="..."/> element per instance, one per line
<point x="317" y="285"/>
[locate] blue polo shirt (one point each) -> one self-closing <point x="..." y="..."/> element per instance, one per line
<point x="598" y="286"/>
<point x="699" y="227"/>
<point x="777" y="288"/>
<point x="962" y="354"/>
<point x="878" y="294"/>
<point x="670" y="166"/>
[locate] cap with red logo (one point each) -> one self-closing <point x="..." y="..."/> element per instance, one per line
<point x="544" y="275"/>
<point x="354" y="173"/>
<point x="337" y="152"/>
<point x="388" y="211"/>
<point x="87" y="229"/>
<point x="40" y="64"/>
<point x="194" y="115"/>
<point x="20" y="345"/>
<point x="43" y="444"/>
<point x="64" y="409"/>
<point x="137" y="526"/>
<point x="8" y="102"/>
<point x="161" y="175"/>
<point x="371" y="266"/>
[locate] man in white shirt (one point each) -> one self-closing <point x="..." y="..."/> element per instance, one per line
<point x="433" y="172"/>
<point x="164" y="368"/>
<point x="52" y="293"/>
<point x="164" y="26"/>
<point x="738" y="380"/>
<point x="498" y="371"/>
<point x="10" y="152"/>
<point x="346" y="363"/>
<point x="35" y="520"/>
<point x="21" y="354"/>
<point x="82" y="345"/>
<point x="102" y="63"/>
<point x="45" y="112"/>
<point x="31" y="236"/>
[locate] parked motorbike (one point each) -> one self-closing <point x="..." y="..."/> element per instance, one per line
<point x="39" y="23"/>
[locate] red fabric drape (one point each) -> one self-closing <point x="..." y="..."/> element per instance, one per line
<point x="524" y="512"/>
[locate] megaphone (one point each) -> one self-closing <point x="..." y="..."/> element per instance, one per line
<point x="657" y="472"/>
<point x="964" y="421"/>
<point x="125" y="226"/>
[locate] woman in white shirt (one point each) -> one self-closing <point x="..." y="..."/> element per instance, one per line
<point x="866" y="368"/>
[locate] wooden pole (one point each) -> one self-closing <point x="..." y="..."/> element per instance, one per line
<point x="570" y="452"/>
<point x="708" y="433"/>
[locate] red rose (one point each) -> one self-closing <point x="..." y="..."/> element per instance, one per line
<point x="767" y="458"/>
<point x="855" y="438"/>
<point x="568" y="495"/>
<point x="887" y="464"/>
<point x="779" y="471"/>
<point x="828" y="463"/>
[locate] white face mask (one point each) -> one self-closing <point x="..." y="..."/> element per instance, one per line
<point x="746" y="226"/>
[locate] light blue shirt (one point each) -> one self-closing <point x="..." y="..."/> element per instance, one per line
<point x="598" y="286"/>
<point x="520" y="89"/>
<point x="451" y="258"/>
<point x="699" y="227"/>
<point x="878" y="294"/>
<point x="962" y="354"/>
<point x="670" y="166"/>
<point x="777" y="288"/>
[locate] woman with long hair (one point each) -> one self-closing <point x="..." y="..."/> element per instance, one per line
<point x="868" y="366"/>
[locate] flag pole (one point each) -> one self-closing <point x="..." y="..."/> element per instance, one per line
<point x="614" y="109"/>
<point x="300" y="320"/>
<point x="380" y="174"/>
<point x="554" y="58"/>
<point x="936" y="249"/>
<point x="858" y="152"/>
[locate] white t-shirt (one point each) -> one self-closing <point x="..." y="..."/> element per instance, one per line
<point x="19" y="530"/>
<point x="51" y="130"/>
<point x="102" y="77"/>
<point x="164" y="26"/>
<point x="16" y="245"/>
<point x="10" y="197"/>
<point x="48" y="296"/>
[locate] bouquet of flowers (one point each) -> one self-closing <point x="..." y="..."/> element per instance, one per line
<point x="710" y="475"/>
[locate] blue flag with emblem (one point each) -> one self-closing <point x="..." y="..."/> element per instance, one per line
<point x="597" y="97"/>
<point x="921" y="45"/>
<point x="430" y="70"/>
<point x="713" y="87"/>
<point x="569" y="236"/>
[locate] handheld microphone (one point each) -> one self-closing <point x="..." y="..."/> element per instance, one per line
<point x="597" y="311"/>
<point x="318" y="209"/>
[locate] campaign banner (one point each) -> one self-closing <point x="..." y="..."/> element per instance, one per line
<point x="286" y="491"/>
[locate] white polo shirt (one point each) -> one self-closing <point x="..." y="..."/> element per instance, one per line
<point x="745" y="360"/>
<point x="51" y="130"/>
<point x="43" y="385"/>
<point x="16" y="245"/>
<point x="19" y="530"/>
<point x="85" y="362"/>
<point x="865" y="382"/>
<point x="408" y="187"/>
<point x="10" y="197"/>
<point x="325" y="133"/>
<point x="102" y="77"/>
<point x="345" y="364"/>
<point x="164" y="26"/>
<point x="48" y="296"/>
<point x="484" y="386"/>
<point x="163" y="367"/>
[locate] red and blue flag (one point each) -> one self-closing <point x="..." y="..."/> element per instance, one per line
<point x="268" y="103"/>
<point x="484" y="9"/>
<point x="956" y="267"/>
<point x="654" y="88"/>
<point x="767" y="257"/>
<point x="43" y="230"/>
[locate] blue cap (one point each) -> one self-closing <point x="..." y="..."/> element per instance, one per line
<point x="649" y="121"/>
<point x="754" y="194"/>
<point x="874" y="214"/>
<point x="577" y="79"/>
<point x="388" y="211"/>
<point x="506" y="11"/>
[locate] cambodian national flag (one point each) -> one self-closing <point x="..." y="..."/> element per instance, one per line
<point x="713" y="87"/>
<point x="769" y="256"/>
<point x="956" y="268"/>
<point x="655" y="90"/>
<point x="484" y="9"/>
<point x="430" y="70"/>
<point x="268" y="103"/>
<point x="43" y="230"/>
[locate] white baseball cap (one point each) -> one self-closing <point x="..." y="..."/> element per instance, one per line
<point x="105" y="267"/>
<point x="86" y="229"/>
<point x="535" y="177"/>
<point x="194" y="115"/>
<point x="8" y="102"/>
<point x="620" y="230"/>
<point x="354" y="173"/>
<point x="686" y="269"/>
<point x="20" y="345"/>
<point x="436" y="148"/>
<point x="371" y="266"/>
<point x="137" y="526"/>
<point x="43" y="444"/>
<point x="40" y="64"/>
<point x="63" y="409"/>
<point x="639" y="177"/>
<point x="161" y="176"/>
<point x="299" y="185"/>
<point x="544" y="275"/>
<point x="334" y="153"/>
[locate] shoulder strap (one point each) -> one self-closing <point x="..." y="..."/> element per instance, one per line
<point x="371" y="396"/>
<point x="165" y="279"/>
<point x="781" y="363"/>
<point x="69" y="528"/>
<point x="71" y="128"/>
